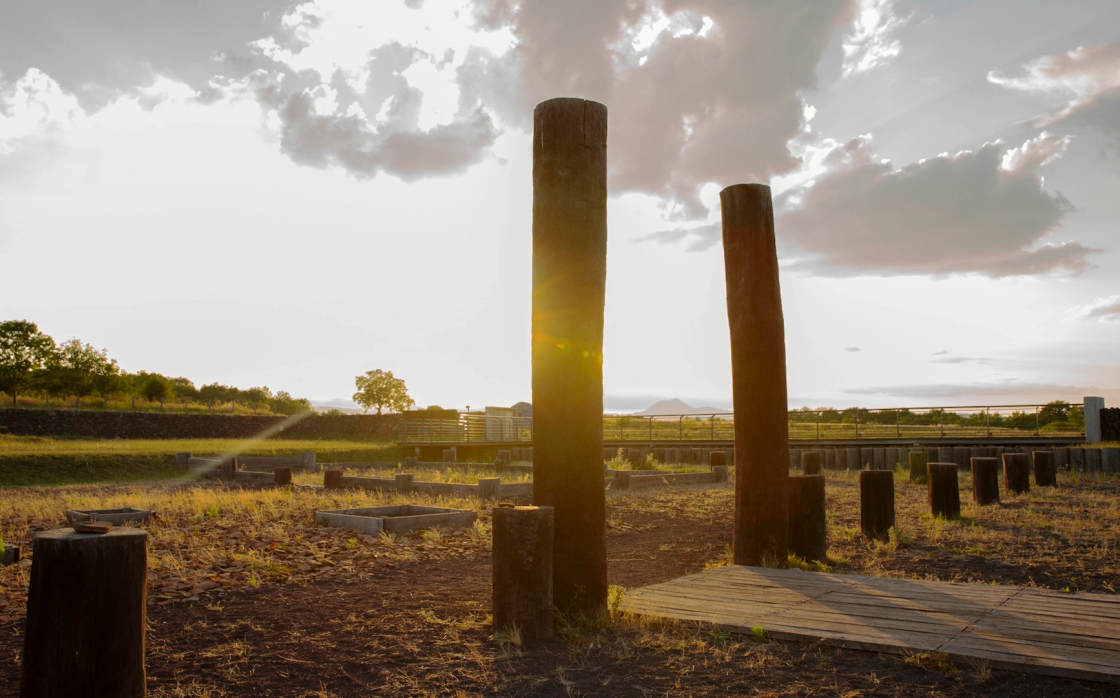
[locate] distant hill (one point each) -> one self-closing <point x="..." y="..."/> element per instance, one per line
<point x="677" y="406"/>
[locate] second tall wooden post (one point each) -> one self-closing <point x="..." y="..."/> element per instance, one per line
<point x="758" y="375"/>
<point x="569" y="290"/>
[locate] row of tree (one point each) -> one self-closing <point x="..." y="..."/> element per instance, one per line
<point x="32" y="363"/>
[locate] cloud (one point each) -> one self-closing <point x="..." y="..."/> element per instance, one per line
<point x="963" y="360"/>
<point x="699" y="90"/>
<point x="871" y="43"/>
<point x="1086" y="79"/>
<point x="983" y="212"/>
<point x="702" y="237"/>
<point x="1103" y="309"/>
<point x="940" y="353"/>
<point x="96" y="50"/>
<point x="852" y="349"/>
<point x="1001" y="390"/>
<point x="34" y="106"/>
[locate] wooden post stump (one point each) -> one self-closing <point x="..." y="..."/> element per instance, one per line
<point x="227" y="468"/>
<point x="489" y="488"/>
<point x="985" y="480"/>
<point x="622" y="479"/>
<point x="283" y="477"/>
<point x="634" y="457"/>
<point x="86" y="615"/>
<point x="523" y="542"/>
<point x="1016" y="473"/>
<point x="718" y="458"/>
<point x="919" y="466"/>
<point x="722" y="472"/>
<point x="448" y="455"/>
<point x="758" y="375"/>
<point x="944" y="490"/>
<point x="810" y="463"/>
<point x="1045" y="470"/>
<point x="402" y="482"/>
<point x="808" y="529"/>
<point x="182" y="460"/>
<point x="876" y="502"/>
<point x="11" y="555"/>
<point x="332" y="478"/>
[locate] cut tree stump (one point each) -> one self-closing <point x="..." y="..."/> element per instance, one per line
<point x="523" y="571"/>
<point x="332" y="478"/>
<point x="1017" y="473"/>
<point x="808" y="528"/>
<point x="86" y="615"/>
<point x="1045" y="470"/>
<point x="758" y="375"/>
<point x="810" y="463"/>
<point x="985" y="480"/>
<point x="919" y="466"/>
<point x="876" y="502"/>
<point x="283" y="477"/>
<point x="944" y="490"/>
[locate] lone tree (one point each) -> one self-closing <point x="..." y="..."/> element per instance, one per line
<point x="380" y="389"/>
<point x="24" y="350"/>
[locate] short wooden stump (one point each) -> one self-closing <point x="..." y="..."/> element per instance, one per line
<point x="86" y="615"/>
<point x="523" y="571"/>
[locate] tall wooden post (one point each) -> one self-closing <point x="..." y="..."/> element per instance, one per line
<point x="86" y="615"/>
<point x="758" y="375"/>
<point x="569" y="290"/>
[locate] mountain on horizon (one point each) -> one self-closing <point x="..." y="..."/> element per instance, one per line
<point x="677" y="406"/>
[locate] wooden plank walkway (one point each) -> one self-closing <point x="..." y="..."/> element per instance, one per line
<point x="1017" y="628"/>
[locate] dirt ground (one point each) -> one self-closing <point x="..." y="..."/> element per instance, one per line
<point x="418" y="624"/>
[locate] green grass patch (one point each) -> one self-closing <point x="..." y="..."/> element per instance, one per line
<point x="41" y="461"/>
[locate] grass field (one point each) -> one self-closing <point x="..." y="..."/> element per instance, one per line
<point x="32" y="460"/>
<point x="249" y="597"/>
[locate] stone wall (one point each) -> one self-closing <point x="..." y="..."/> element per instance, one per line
<point x="164" y="425"/>
<point x="1110" y="424"/>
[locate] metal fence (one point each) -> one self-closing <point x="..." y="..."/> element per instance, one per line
<point x="1057" y="420"/>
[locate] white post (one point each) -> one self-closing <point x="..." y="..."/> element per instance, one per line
<point x="1093" y="407"/>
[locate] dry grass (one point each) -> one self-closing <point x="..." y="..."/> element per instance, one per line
<point x="227" y="539"/>
<point x="458" y="475"/>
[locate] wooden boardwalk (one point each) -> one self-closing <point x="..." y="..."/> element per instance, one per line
<point x="1017" y="628"/>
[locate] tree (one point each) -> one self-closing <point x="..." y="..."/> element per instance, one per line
<point x="73" y="367"/>
<point x="156" y="387"/>
<point x="380" y="389"/>
<point x="23" y="351"/>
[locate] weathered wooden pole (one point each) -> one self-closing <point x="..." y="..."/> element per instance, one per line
<point x="717" y="458"/>
<point x="283" y="477"/>
<point x="86" y="615"/>
<point x="944" y="490"/>
<point x="919" y="466"/>
<point x="876" y="502"/>
<point x="1045" y="472"/>
<point x="758" y="375"/>
<point x="332" y="478"/>
<point x="523" y="570"/>
<point x="569" y="291"/>
<point x="985" y="480"/>
<point x="808" y="528"/>
<point x="811" y="462"/>
<point x="1017" y="472"/>
<point x="489" y="488"/>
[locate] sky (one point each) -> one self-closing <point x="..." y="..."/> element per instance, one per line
<point x="292" y="194"/>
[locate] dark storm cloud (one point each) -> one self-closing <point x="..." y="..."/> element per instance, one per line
<point x="698" y="105"/>
<point x="99" y="48"/>
<point x="980" y="212"/>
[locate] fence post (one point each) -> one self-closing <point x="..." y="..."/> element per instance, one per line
<point x="898" y="424"/>
<point x="651" y="428"/>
